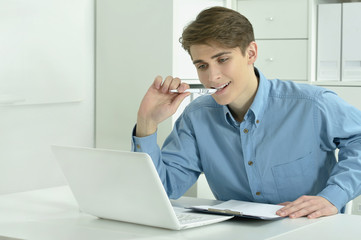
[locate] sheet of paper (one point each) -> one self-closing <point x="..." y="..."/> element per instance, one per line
<point x="247" y="208"/>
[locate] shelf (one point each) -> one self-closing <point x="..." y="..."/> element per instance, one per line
<point x="337" y="83"/>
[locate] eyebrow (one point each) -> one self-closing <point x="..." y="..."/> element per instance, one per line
<point x="215" y="56"/>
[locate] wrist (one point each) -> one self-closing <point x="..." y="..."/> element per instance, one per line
<point x="145" y="128"/>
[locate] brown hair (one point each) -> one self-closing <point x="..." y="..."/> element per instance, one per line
<point x="222" y="25"/>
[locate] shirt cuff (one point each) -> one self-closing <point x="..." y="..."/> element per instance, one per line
<point x="144" y="144"/>
<point x="335" y="195"/>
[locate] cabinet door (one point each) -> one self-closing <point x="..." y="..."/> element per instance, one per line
<point x="351" y="49"/>
<point x="283" y="59"/>
<point x="329" y="42"/>
<point x="277" y="18"/>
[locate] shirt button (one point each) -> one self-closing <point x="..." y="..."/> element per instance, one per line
<point x="257" y="121"/>
<point x="245" y="130"/>
<point x="138" y="146"/>
<point x="250" y="163"/>
<point x="258" y="193"/>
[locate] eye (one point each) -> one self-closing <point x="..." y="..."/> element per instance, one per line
<point x="222" y="60"/>
<point x="202" y="66"/>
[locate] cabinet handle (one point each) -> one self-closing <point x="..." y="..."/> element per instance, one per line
<point x="270" y="19"/>
<point x="271" y="59"/>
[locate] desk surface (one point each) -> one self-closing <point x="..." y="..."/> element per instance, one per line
<point x="53" y="214"/>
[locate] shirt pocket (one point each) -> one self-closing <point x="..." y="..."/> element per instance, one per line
<point x="295" y="178"/>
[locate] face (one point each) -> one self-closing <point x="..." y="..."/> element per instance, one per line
<point x="227" y="70"/>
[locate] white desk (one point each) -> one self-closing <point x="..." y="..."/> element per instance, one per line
<point x="53" y="214"/>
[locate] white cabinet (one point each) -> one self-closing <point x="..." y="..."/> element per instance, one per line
<point x="283" y="58"/>
<point x="351" y="48"/>
<point x="329" y="42"/>
<point x="281" y="32"/>
<point x="338" y="48"/>
<point x="285" y="19"/>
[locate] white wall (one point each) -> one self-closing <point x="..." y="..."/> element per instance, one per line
<point x="133" y="45"/>
<point x="184" y="12"/>
<point x="48" y="64"/>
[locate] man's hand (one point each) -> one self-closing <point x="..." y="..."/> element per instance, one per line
<point x="159" y="104"/>
<point x="310" y="206"/>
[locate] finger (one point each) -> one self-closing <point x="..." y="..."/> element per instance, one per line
<point x="310" y="206"/>
<point x="292" y="207"/>
<point x="175" y="83"/>
<point x="315" y="210"/>
<point x="305" y="210"/>
<point x="183" y="87"/>
<point x="292" y="212"/>
<point x="178" y="100"/>
<point x="284" y="203"/>
<point x="316" y="214"/>
<point x="325" y="211"/>
<point x="166" y="84"/>
<point x="157" y="82"/>
<point x="296" y="204"/>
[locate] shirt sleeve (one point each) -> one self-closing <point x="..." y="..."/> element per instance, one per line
<point x="177" y="163"/>
<point x="339" y="127"/>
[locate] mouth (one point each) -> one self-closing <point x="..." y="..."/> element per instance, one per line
<point x="222" y="86"/>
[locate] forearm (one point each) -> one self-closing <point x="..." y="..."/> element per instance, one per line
<point x="338" y="125"/>
<point x="177" y="167"/>
<point x="344" y="182"/>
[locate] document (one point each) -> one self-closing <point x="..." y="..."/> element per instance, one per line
<point x="242" y="209"/>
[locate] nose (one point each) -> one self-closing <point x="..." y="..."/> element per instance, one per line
<point x="214" y="74"/>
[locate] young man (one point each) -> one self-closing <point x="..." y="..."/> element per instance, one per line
<point x="255" y="139"/>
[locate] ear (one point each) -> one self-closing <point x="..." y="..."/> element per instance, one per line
<point x="252" y="52"/>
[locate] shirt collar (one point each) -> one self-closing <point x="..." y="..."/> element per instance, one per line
<point x="229" y="118"/>
<point x="256" y="111"/>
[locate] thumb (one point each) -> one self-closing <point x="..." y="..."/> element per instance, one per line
<point x="179" y="99"/>
<point x="284" y="203"/>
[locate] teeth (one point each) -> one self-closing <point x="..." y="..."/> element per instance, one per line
<point x="223" y="86"/>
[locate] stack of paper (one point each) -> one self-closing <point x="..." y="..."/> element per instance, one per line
<point x="243" y="209"/>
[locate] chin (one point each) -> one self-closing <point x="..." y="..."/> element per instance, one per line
<point x="221" y="101"/>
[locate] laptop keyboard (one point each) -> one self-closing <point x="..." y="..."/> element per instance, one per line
<point x="184" y="218"/>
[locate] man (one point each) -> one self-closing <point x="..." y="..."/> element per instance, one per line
<point x="255" y="139"/>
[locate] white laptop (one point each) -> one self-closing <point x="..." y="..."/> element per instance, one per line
<point x="123" y="186"/>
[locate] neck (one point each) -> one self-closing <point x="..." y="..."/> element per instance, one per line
<point x="240" y="108"/>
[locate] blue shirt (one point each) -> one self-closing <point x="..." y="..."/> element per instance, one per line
<point x="283" y="149"/>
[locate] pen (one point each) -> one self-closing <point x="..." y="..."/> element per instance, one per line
<point x="198" y="90"/>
